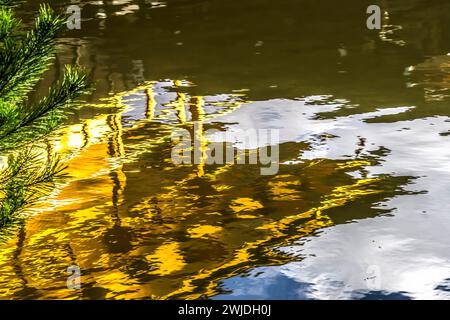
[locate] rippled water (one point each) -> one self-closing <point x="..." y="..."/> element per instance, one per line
<point x="358" y="209"/>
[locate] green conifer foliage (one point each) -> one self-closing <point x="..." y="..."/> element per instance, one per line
<point x="27" y="175"/>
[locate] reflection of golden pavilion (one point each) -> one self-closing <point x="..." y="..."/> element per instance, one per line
<point x="140" y="227"/>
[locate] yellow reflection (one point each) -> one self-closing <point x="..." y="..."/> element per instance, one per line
<point x="202" y="231"/>
<point x="151" y="103"/>
<point x="245" y="204"/>
<point x="167" y="259"/>
<point x="139" y="227"/>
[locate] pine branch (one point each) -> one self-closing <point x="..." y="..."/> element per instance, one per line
<point x="22" y="65"/>
<point x="39" y="120"/>
<point x="26" y="179"/>
<point x="61" y="95"/>
<point x="27" y="176"/>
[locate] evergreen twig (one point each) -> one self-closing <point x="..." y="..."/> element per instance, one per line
<point x="26" y="175"/>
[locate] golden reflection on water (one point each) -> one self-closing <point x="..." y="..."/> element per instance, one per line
<point x="140" y="227"/>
